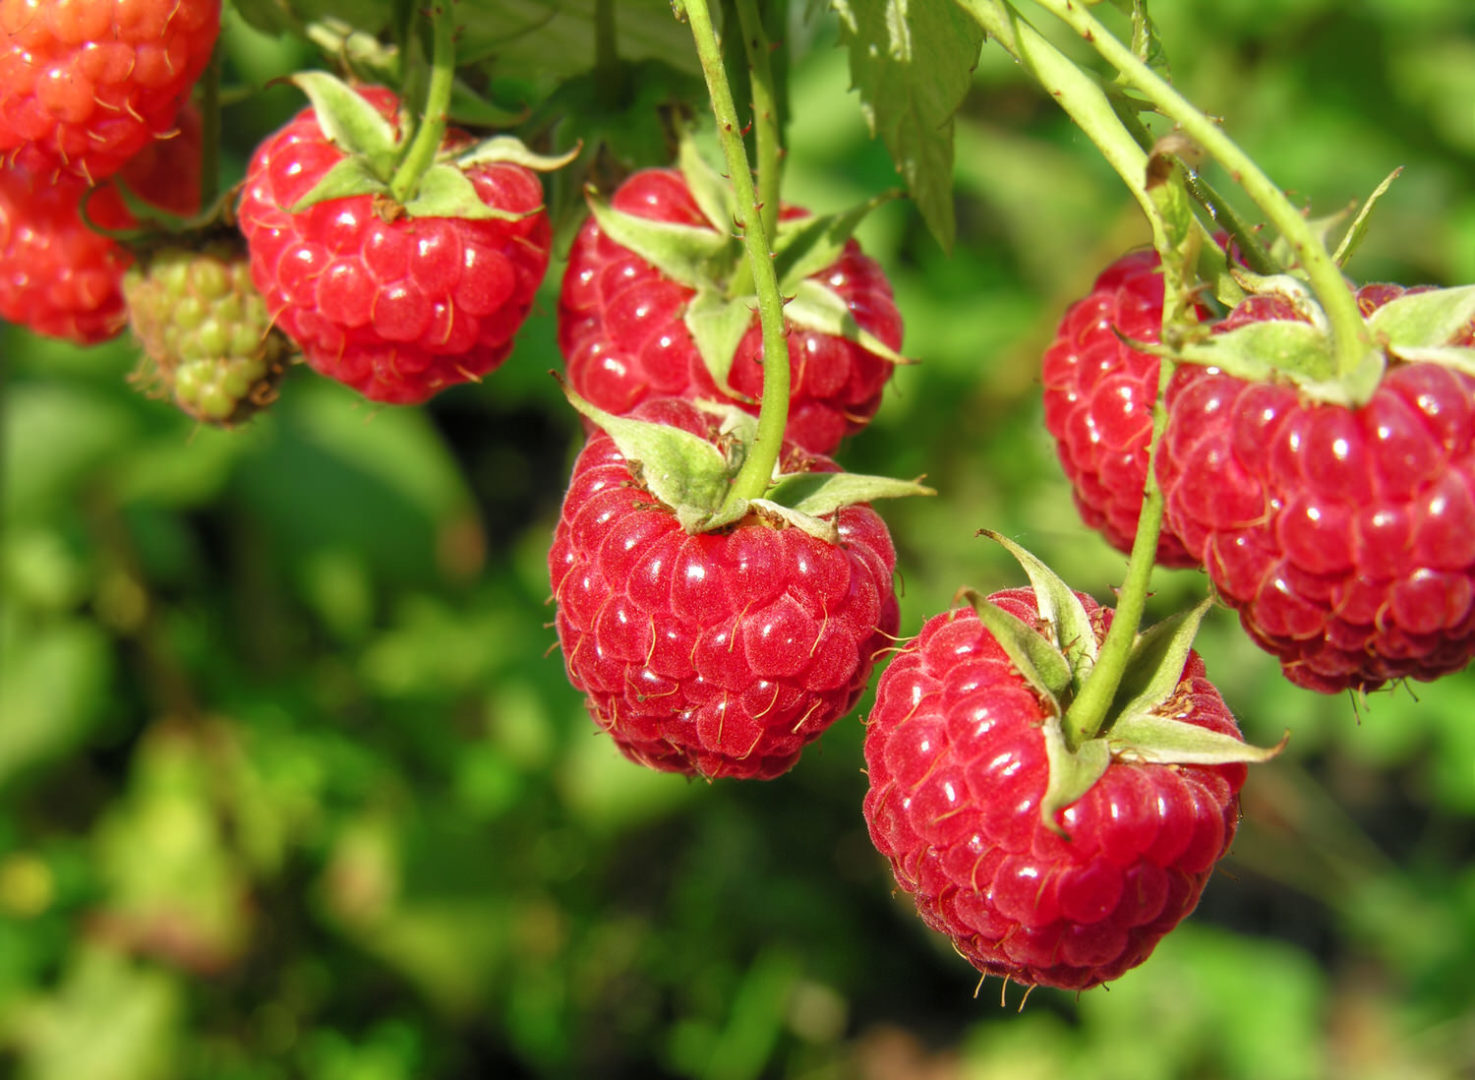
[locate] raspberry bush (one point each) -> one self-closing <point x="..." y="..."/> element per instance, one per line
<point x="428" y="428"/>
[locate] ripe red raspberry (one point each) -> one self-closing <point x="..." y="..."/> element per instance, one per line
<point x="59" y="277"/>
<point x="956" y="760"/>
<point x="1099" y="395"/>
<point x="716" y="654"/>
<point x="622" y="334"/>
<point x="1343" y="537"/>
<point x="401" y="308"/>
<point x="86" y="85"/>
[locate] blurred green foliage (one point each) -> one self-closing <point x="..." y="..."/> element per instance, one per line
<point x="291" y="784"/>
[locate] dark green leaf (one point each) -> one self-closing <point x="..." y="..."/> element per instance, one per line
<point x="912" y="63"/>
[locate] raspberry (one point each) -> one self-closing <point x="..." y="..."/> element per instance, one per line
<point x="1099" y="395"/>
<point x="86" y="85"/>
<point x="622" y="333"/>
<point x="59" y="277"/>
<point x="721" y="653"/>
<point x="398" y="309"/>
<point x="1343" y="537"/>
<point x="956" y="759"/>
<point x="205" y="330"/>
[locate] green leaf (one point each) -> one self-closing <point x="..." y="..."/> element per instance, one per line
<point x="350" y="122"/>
<point x="351" y="176"/>
<point x="683" y="253"/>
<point x="718" y="325"/>
<point x="446" y="191"/>
<point x="1163" y="740"/>
<point x="684" y="471"/>
<point x="1059" y="606"/>
<point x="1155" y="664"/>
<point x="819" y="494"/>
<point x="1430" y="319"/>
<point x="805" y="246"/>
<point x="815" y="306"/>
<point x="1071" y="773"/>
<point x="1043" y="666"/>
<point x="912" y="61"/>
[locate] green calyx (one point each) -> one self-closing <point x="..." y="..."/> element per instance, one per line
<point x="374" y="152"/>
<point x="1433" y="326"/>
<point x="712" y="260"/>
<point x="1057" y="655"/>
<point x="692" y="476"/>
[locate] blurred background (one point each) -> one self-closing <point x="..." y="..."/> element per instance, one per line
<point x="293" y="785"/>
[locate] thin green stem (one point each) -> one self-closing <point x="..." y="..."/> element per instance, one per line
<point x="1086" y="715"/>
<point x="1078" y="93"/>
<point x="1349" y="334"/>
<point x="210" y="131"/>
<point x="432" y="127"/>
<point x="609" y="75"/>
<point x="765" y="112"/>
<point x="753" y="478"/>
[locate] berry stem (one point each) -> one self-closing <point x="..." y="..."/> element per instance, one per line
<point x="765" y="113"/>
<point x="432" y="127"/>
<point x="753" y="478"/>
<point x="1086" y="715"/>
<point x="1349" y="334"/>
<point x="1078" y="93"/>
<point x="609" y="75"/>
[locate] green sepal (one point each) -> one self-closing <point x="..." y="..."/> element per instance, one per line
<point x="1060" y="607"/>
<point x="818" y="307"/>
<point x="821" y="493"/>
<point x="682" y="470"/>
<point x="816" y="527"/>
<point x="1161" y="740"/>
<point x="717" y="326"/>
<point x="1041" y="664"/>
<point x="683" y="253"/>
<point x="446" y="191"/>
<point x="1426" y="319"/>
<point x="1285" y="350"/>
<point x="349" y="177"/>
<point x="1155" y="664"/>
<point x="805" y="246"/>
<point x="1455" y="357"/>
<point x="712" y="192"/>
<point x="1071" y="772"/>
<point x="349" y="122"/>
<point x="1355" y="232"/>
<point x="510" y="150"/>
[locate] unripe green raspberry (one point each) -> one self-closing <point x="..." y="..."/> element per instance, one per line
<point x="207" y="336"/>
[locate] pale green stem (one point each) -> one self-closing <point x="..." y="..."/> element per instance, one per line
<point x="432" y="127"/>
<point x="609" y="76"/>
<point x="1084" y="100"/>
<point x="1087" y="713"/>
<point x="1349" y="335"/>
<point x="753" y="478"/>
<point x="765" y="113"/>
